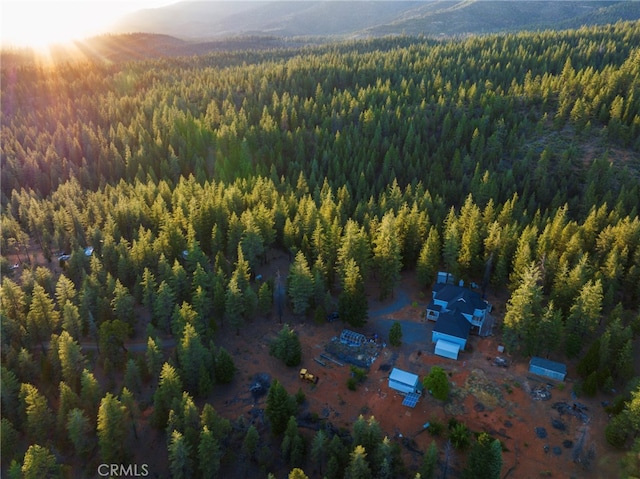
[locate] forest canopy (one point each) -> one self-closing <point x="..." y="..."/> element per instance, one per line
<point x="511" y="160"/>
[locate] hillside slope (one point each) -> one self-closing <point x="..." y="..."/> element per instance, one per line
<point x="206" y="20"/>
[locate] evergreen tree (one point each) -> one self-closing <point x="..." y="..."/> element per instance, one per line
<point x="354" y="246"/>
<point x="71" y="359"/>
<point x="358" y="467"/>
<point x="113" y="335"/>
<point x="293" y="444"/>
<point x="298" y="450"/>
<point x="9" y="394"/>
<point x="623" y="365"/>
<point x="523" y="257"/>
<point x="395" y="334"/>
<point x="209" y="454"/>
<point x="429" y="259"/>
<point x="224" y="367"/>
<point x="38" y="463"/>
<point x="67" y="401"/>
<point x="583" y="316"/>
<point x="169" y="389"/>
<point x="153" y="356"/>
<point x="297" y="473"/>
<point x="250" y="443"/>
<point x="367" y="433"/>
<point x="387" y="255"/>
<point x="286" y="347"/>
<point x="90" y="393"/>
<point x="265" y="299"/>
<point x="485" y="458"/>
<point x="132" y="379"/>
<point x="37" y="412"/>
<point x="192" y="357"/>
<point x="550" y="330"/>
<point x="183" y="315"/>
<point x="122" y="304"/>
<point x="429" y="462"/>
<point x="471" y="239"/>
<point x="234" y="306"/>
<point x="180" y="463"/>
<point x="319" y="449"/>
<point x="219" y="426"/>
<point x="78" y="428"/>
<point x="385" y="460"/>
<point x="280" y="406"/>
<point x="13" y="304"/>
<point x="42" y="318"/>
<point x="163" y="306"/>
<point x="71" y="321"/>
<point x="338" y="457"/>
<point x="8" y="440"/>
<point x="451" y="243"/>
<point x="523" y="312"/>
<point x="112" y="429"/>
<point x="149" y="288"/>
<point x="65" y="291"/>
<point x="301" y="285"/>
<point x="352" y="303"/>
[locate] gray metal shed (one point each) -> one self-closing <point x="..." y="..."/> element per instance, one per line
<point x="550" y="369"/>
<point x="404" y="381"/>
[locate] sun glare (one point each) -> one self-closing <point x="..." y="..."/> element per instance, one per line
<point x="42" y="23"/>
<point x="39" y="24"/>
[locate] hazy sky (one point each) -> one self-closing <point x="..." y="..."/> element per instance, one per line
<point x="39" y="22"/>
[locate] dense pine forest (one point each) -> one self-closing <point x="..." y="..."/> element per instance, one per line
<point x="159" y="187"/>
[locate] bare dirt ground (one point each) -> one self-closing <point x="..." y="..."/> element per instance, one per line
<point x="484" y="397"/>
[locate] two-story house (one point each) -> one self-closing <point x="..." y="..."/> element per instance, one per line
<point x="457" y="311"/>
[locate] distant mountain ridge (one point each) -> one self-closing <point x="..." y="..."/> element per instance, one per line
<point x="356" y="19"/>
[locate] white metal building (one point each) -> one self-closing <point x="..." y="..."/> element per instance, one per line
<point x="404" y="381"/>
<point x="447" y="349"/>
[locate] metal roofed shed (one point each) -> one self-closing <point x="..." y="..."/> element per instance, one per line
<point x="447" y="349"/>
<point x="404" y="382"/>
<point x="547" y="368"/>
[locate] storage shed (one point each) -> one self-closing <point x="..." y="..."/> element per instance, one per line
<point x="547" y="368"/>
<point x="447" y="349"/>
<point x="404" y="381"/>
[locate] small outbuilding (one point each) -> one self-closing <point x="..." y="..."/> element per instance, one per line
<point x="404" y="382"/>
<point x="447" y="349"/>
<point x="547" y="368"/>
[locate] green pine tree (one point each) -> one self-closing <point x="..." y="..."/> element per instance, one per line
<point x="358" y="466"/>
<point x="301" y="285"/>
<point x="280" y="407"/>
<point x="395" y="334"/>
<point x="112" y="429"/>
<point x="352" y="304"/>
<point x="387" y="255"/>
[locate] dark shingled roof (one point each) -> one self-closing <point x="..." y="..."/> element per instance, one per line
<point x="453" y="324"/>
<point x="460" y="298"/>
<point x="434" y="307"/>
